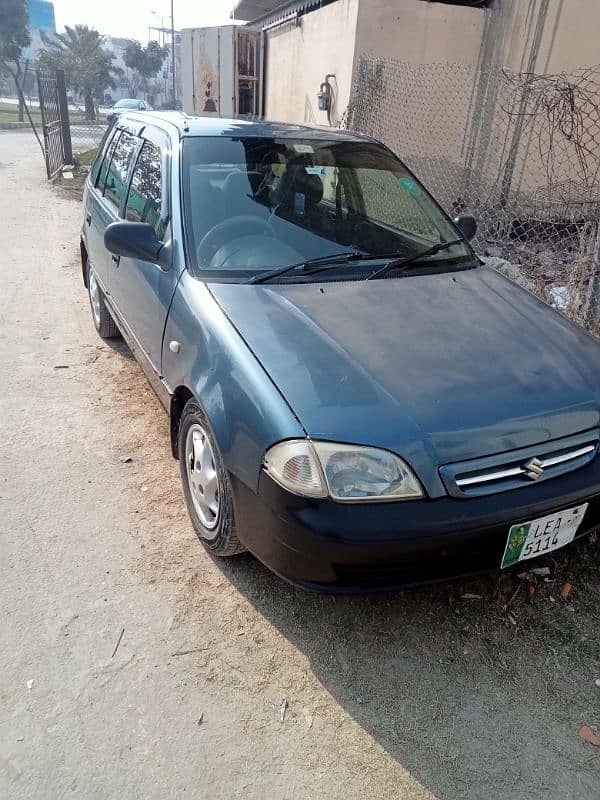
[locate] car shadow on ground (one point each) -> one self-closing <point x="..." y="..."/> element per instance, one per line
<point x="477" y="688"/>
<point x="120" y="347"/>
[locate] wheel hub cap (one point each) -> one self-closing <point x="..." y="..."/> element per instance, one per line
<point x="202" y="476"/>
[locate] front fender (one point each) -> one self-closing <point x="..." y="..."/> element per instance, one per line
<point x="245" y="409"/>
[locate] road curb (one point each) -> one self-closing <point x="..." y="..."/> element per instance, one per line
<point x="14" y="126"/>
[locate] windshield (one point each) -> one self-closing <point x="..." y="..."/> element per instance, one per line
<point x="254" y="204"/>
<point x="127" y="104"/>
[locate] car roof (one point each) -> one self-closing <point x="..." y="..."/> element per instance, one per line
<point x="191" y="125"/>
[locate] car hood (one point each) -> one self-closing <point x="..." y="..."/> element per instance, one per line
<point x="438" y="368"/>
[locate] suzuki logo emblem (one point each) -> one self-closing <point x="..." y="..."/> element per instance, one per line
<point x="534" y="469"/>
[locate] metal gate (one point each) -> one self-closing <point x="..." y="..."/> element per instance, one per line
<point x="55" y="120"/>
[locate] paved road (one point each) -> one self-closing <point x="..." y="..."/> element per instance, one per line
<point x="401" y="697"/>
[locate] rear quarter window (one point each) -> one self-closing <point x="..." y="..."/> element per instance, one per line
<point x="102" y="151"/>
<point x="105" y="162"/>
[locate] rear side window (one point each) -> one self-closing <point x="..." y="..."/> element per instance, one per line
<point x="116" y="177"/>
<point x="145" y="193"/>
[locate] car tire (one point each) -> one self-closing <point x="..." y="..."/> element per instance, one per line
<point x="103" y="322"/>
<point x="206" y="484"/>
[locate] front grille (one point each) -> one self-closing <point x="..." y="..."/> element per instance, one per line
<point x="520" y="468"/>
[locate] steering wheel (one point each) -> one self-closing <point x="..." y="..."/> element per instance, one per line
<point x="225" y="231"/>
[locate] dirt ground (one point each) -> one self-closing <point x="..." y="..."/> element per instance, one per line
<point x="404" y="696"/>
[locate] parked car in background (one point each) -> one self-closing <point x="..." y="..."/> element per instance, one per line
<point x="353" y="396"/>
<point x="126" y="104"/>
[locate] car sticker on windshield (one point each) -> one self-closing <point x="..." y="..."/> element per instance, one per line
<point x="299" y="203"/>
<point x="409" y="185"/>
<point x="303" y="148"/>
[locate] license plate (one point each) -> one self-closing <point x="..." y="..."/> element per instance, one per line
<point x="531" y="539"/>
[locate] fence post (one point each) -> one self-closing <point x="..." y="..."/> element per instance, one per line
<point x="63" y="108"/>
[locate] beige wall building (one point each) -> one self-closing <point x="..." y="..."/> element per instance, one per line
<point x="446" y="85"/>
<point x="308" y="39"/>
<point x="298" y="55"/>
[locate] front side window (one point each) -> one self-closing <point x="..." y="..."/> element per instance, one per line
<point x="116" y="177"/>
<point x="254" y="203"/>
<point x="145" y="193"/>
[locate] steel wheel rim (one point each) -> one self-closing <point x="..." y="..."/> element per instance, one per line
<point x="94" y="297"/>
<point x="202" y="477"/>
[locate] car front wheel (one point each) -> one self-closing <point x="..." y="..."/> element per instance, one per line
<point x="206" y="484"/>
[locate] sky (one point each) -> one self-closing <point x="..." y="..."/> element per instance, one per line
<point x="131" y="18"/>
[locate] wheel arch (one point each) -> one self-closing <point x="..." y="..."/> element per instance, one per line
<point x="179" y="398"/>
<point x="245" y="410"/>
<point x="240" y="430"/>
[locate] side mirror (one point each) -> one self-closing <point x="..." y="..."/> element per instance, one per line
<point x="467" y="225"/>
<point x="136" y="240"/>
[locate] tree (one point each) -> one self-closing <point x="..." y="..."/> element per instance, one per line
<point x="14" y="36"/>
<point x="144" y="63"/>
<point x="154" y="89"/>
<point x="88" y="66"/>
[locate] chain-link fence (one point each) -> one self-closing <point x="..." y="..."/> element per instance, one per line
<point x="520" y="152"/>
<point x="86" y="136"/>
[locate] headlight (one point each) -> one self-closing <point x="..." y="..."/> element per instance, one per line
<point x="344" y="472"/>
<point x="365" y="473"/>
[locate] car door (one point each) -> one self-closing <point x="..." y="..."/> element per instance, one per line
<point x="106" y="201"/>
<point x="141" y="291"/>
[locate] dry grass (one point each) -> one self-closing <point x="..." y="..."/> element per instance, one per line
<point x="73" y="187"/>
<point x="9" y="112"/>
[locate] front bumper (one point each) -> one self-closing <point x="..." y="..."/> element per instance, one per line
<point x="327" y="546"/>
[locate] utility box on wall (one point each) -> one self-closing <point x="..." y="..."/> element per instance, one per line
<point x="221" y="70"/>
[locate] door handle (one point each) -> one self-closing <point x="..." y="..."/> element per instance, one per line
<point x="88" y="219"/>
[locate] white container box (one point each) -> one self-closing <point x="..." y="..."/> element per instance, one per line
<point x="221" y="70"/>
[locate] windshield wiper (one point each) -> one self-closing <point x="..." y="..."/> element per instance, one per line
<point x="403" y="264"/>
<point x="312" y="265"/>
<point x="335" y="258"/>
